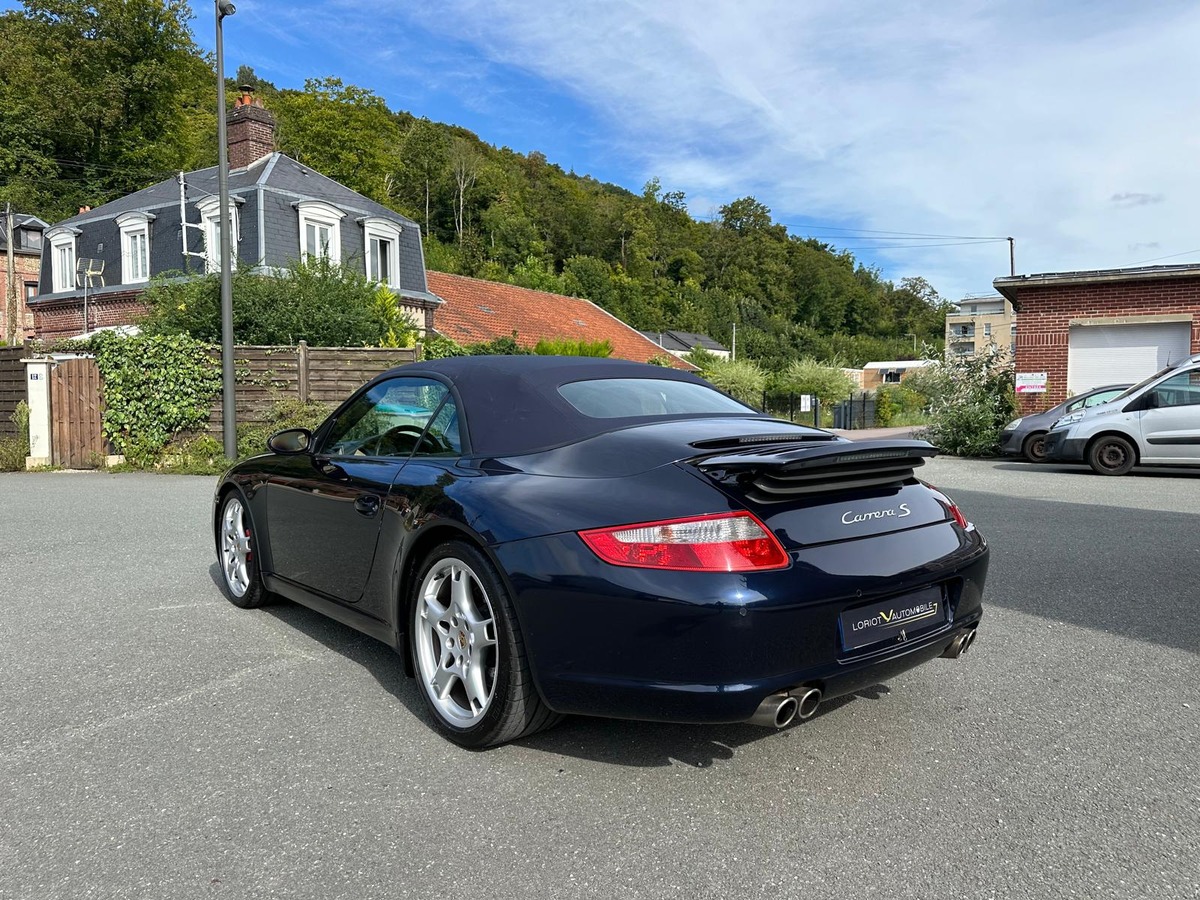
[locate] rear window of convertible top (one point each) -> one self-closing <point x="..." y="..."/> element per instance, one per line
<point x="615" y="398"/>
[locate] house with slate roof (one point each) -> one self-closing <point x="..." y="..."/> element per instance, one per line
<point x="26" y="256"/>
<point x="680" y="343"/>
<point x="98" y="262"/>
<point x="476" y="311"/>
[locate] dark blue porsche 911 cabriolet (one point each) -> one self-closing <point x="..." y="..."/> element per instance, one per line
<point x="540" y="536"/>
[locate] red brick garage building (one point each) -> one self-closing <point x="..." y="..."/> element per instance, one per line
<point x="1085" y="329"/>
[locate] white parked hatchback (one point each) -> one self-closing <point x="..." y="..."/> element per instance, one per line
<point x="1154" y="423"/>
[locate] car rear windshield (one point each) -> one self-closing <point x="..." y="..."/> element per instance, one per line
<point x="614" y="398"/>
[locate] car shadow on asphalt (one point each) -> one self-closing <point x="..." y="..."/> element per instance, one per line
<point x="1050" y="468"/>
<point x="613" y="741"/>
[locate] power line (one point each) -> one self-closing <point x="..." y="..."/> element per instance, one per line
<point x="1172" y="256"/>
<point x="924" y="246"/>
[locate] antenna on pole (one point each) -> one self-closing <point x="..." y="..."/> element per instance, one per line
<point x="89" y="273"/>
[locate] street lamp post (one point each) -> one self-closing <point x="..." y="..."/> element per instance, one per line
<point x="914" y="337"/>
<point x="228" y="417"/>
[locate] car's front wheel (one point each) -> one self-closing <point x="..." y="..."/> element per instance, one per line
<point x="1034" y="448"/>
<point x="235" y="552"/>
<point x="470" y="658"/>
<point x="1111" y="455"/>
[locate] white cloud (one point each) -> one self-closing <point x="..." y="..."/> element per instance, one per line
<point x="967" y="118"/>
<point x="1070" y="126"/>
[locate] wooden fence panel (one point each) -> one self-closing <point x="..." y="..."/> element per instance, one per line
<point x="76" y="439"/>
<point x="12" y="387"/>
<point x="267" y="375"/>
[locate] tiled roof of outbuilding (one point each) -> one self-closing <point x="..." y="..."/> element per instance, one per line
<point x="476" y="311"/>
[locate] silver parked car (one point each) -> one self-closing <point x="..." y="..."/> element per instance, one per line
<point x="1154" y="423"/>
<point x="1026" y="436"/>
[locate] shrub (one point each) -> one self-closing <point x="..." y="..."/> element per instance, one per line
<point x="807" y="376"/>
<point x="569" y="347"/>
<point x="316" y="301"/>
<point x="155" y="387"/>
<point x="13" y="450"/>
<point x="435" y="346"/>
<point x="289" y="413"/>
<point x="975" y="398"/>
<point x="739" y="378"/>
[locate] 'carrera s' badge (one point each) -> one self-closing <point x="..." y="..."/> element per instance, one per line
<point x="849" y="517"/>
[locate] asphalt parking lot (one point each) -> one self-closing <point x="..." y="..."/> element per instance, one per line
<point x="157" y="742"/>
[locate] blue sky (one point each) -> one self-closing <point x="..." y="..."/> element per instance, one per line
<point x="1074" y="127"/>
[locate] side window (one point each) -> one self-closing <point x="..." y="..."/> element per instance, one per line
<point x="442" y="438"/>
<point x="1074" y="405"/>
<point x="388" y="420"/>
<point x="1101" y="398"/>
<point x="1179" y="390"/>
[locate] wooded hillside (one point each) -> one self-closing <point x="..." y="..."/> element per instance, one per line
<point x="101" y="98"/>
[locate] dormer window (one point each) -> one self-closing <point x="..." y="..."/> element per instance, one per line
<point x="210" y="218"/>
<point x="320" y="231"/>
<point x="135" y="246"/>
<point x="381" y="240"/>
<point x="62" y="257"/>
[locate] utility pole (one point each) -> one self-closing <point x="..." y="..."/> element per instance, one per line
<point x="10" y="300"/>
<point x="228" y="414"/>
<point x="1012" y="258"/>
<point x="733" y="347"/>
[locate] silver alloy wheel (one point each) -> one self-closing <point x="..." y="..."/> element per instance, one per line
<point x="455" y="630"/>
<point x="235" y="547"/>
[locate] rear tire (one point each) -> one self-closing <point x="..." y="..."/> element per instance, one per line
<point x="236" y="554"/>
<point x="1111" y="455"/>
<point x="1034" y="448"/>
<point x="470" y="659"/>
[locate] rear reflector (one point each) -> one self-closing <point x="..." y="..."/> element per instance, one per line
<point x="724" y="542"/>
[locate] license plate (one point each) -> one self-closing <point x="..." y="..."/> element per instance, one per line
<point x="895" y="620"/>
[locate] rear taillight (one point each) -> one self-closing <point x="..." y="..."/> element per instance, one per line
<point x="724" y="542"/>
<point x="951" y="507"/>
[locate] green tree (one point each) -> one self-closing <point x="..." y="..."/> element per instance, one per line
<point x="342" y="131"/>
<point x="99" y="98"/>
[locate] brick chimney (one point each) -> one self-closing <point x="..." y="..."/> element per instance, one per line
<point x="251" y="130"/>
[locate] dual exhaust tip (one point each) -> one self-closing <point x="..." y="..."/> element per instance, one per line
<point x="779" y="710"/>
<point x="960" y="645"/>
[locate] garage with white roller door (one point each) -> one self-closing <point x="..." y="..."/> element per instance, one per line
<point x="1080" y="330"/>
<point x="1115" y="351"/>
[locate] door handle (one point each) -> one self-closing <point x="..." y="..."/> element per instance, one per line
<point x="367" y="504"/>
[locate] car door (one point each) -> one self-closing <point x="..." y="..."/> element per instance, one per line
<point x="1170" y="422"/>
<point x="324" y="507"/>
<point x="419" y="493"/>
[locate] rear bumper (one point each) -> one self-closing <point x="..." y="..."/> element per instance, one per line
<point x="1060" y="447"/>
<point x="690" y="647"/>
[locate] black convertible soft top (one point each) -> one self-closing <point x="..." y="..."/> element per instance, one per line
<point x="512" y="405"/>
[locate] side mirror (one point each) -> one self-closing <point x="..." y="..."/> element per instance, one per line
<point x="290" y="441"/>
<point x="1148" y="400"/>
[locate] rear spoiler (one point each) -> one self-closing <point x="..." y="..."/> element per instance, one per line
<point x="786" y="472"/>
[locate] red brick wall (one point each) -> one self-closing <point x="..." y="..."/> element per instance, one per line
<point x="64" y="318"/>
<point x="1043" y="322"/>
<point x="27" y="269"/>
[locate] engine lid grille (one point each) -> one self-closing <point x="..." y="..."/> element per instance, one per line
<point x="778" y="473"/>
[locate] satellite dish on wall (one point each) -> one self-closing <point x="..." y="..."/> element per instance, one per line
<point x="89" y="272"/>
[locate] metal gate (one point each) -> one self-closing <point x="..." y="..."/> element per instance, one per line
<point x="76" y="439"/>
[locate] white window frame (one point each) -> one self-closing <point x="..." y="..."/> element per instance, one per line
<point x="134" y="226"/>
<point x="318" y="213"/>
<point x="376" y="228"/>
<point x="62" y="239"/>
<point x="210" y="217"/>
